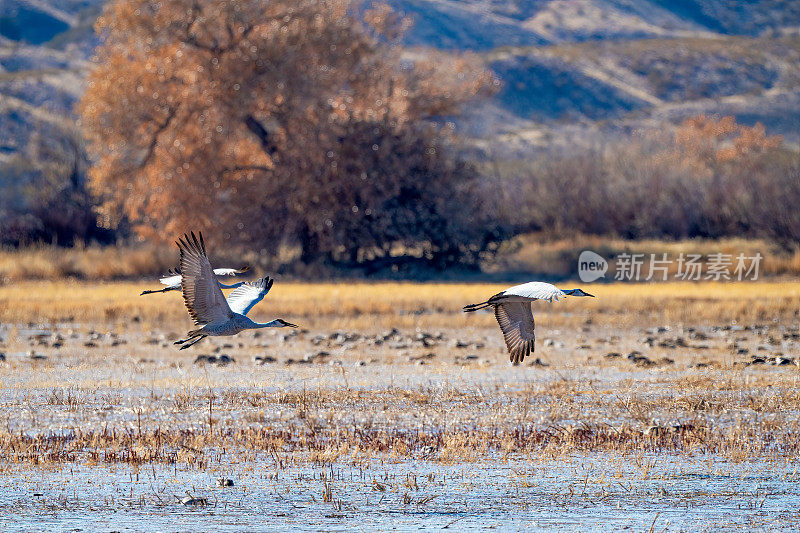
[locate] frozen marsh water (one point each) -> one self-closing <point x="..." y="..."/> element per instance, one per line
<point x="580" y="492"/>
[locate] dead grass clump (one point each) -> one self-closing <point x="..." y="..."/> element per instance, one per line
<point x="196" y="448"/>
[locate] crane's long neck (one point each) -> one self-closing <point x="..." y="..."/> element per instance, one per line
<point x="273" y="324"/>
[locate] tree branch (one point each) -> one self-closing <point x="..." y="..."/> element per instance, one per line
<point x="257" y="129"/>
<point x="154" y="141"/>
<point x="245" y="168"/>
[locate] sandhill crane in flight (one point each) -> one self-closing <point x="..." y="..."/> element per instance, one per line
<point x="173" y="279"/>
<point x="512" y="309"/>
<point x="207" y="305"/>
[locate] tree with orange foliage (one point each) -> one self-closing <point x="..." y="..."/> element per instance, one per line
<point x="290" y="122"/>
<point x="710" y="140"/>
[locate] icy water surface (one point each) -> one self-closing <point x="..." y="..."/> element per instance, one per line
<point x="575" y="493"/>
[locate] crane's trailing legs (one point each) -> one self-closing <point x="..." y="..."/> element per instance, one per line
<point x="165" y="289"/>
<point x="191" y="340"/>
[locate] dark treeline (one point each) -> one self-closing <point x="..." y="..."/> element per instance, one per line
<point x="710" y="178"/>
<point x="44" y="192"/>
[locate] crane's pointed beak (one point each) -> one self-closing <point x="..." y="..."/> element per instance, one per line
<point x="288" y="323"/>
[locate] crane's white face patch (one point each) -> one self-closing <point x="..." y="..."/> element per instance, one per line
<point x="591" y="266"/>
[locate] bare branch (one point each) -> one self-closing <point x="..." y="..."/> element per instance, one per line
<point x="154" y="141"/>
<point x="261" y="132"/>
<point x="245" y="168"/>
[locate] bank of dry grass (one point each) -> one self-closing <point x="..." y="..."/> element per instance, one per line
<point x="93" y="262"/>
<point x="529" y="254"/>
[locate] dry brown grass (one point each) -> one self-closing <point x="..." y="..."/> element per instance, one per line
<point x="95" y="263"/>
<point x="318" y="433"/>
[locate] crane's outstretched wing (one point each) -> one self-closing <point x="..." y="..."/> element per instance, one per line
<point x="243" y="298"/>
<point x="231" y="271"/>
<point x="201" y="293"/>
<point x="536" y="290"/>
<point x="516" y="321"/>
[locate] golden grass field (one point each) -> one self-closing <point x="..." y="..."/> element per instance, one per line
<point x="353" y="304"/>
<point x="393" y="376"/>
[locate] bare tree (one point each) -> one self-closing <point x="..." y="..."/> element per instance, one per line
<point x="295" y="122"/>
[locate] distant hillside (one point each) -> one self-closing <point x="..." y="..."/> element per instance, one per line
<point x="572" y="71"/>
<point x="485" y="24"/>
<point x="644" y="82"/>
<point x="44" y="50"/>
